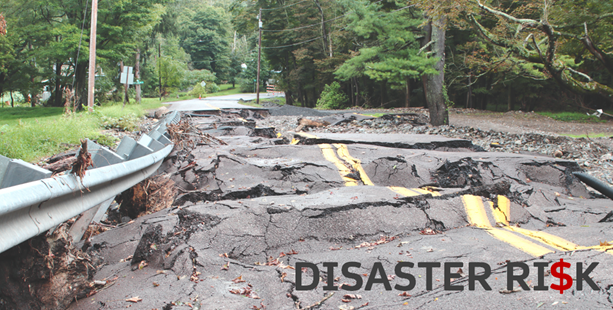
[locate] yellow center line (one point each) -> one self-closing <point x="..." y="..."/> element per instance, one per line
<point x="403" y="191"/>
<point x="212" y="106"/>
<point x="477" y="217"/>
<point x="307" y="135"/>
<point x="343" y="152"/>
<point x="475" y="211"/>
<point x="329" y="155"/>
<point x="502" y="213"/>
<point x="426" y="192"/>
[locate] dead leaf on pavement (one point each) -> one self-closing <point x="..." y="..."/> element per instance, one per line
<point x="515" y="290"/>
<point x="352" y="296"/>
<point x="226" y="266"/>
<point x="238" y="280"/>
<point x="134" y="299"/>
<point x="142" y="264"/>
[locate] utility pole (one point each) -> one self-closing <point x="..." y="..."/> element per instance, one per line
<point x="137" y="74"/>
<point x="160" y="68"/>
<point x="92" y="57"/>
<point x="323" y="28"/>
<point x="257" y="101"/>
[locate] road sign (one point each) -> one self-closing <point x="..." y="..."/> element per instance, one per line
<point x="203" y="83"/>
<point x="127" y="71"/>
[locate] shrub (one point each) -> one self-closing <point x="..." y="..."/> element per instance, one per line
<point x="211" y="88"/>
<point x="332" y="97"/>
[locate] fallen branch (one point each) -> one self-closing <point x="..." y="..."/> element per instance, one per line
<point x="317" y="304"/>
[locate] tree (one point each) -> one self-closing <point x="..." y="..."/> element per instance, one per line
<point x="48" y="35"/>
<point x="435" y="83"/>
<point x="547" y="33"/>
<point x="204" y="34"/>
<point x="391" y="51"/>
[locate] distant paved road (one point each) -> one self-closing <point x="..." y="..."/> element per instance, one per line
<point x="215" y="103"/>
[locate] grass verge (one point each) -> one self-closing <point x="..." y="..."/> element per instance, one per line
<point x="577" y="117"/>
<point x="33" y="133"/>
<point x="589" y="135"/>
<point x="226" y="89"/>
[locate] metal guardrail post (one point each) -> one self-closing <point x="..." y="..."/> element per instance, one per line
<point x="130" y="149"/>
<point x="16" y="171"/>
<point x="41" y="203"/>
<point x="101" y="157"/>
<point x="29" y="209"/>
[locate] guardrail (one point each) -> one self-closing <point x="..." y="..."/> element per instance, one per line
<point x="36" y="206"/>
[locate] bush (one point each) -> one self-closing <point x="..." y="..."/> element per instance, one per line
<point x="198" y="90"/>
<point x="211" y="88"/>
<point x="332" y="97"/>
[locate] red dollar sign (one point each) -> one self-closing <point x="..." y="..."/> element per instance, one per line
<point x="560" y="274"/>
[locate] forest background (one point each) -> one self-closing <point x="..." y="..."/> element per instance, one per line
<point x="496" y="55"/>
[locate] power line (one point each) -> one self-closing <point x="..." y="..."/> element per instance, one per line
<point x="282" y="46"/>
<point x="283" y="7"/>
<point x="307" y="26"/>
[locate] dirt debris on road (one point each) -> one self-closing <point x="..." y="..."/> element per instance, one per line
<point x="249" y="212"/>
<point x="511" y="132"/>
<point x="369" y="192"/>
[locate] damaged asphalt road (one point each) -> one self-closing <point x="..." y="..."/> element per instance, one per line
<point x="248" y="212"/>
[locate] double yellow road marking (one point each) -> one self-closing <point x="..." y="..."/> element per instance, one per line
<point x="343" y="153"/>
<point x="477" y="217"/>
<point x="535" y="243"/>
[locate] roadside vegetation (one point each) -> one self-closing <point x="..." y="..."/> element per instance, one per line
<point x="573" y="117"/>
<point x="33" y="133"/>
<point x="498" y="55"/>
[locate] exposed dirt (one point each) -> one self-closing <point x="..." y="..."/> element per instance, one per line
<point x="521" y="122"/>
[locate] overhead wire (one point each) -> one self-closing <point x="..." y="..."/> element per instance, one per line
<point x="283" y="7"/>
<point x="307" y="26"/>
<point x="282" y="46"/>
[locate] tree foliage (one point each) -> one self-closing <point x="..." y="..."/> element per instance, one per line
<point x="502" y="55"/>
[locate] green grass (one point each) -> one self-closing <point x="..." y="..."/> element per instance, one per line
<point x="251" y="103"/>
<point x="263" y="99"/>
<point x="373" y="114"/>
<point x="226" y="89"/>
<point x="590" y="135"/>
<point x="577" y="117"/>
<point x="33" y="133"/>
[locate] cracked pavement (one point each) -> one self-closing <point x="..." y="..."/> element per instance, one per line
<point x="249" y="211"/>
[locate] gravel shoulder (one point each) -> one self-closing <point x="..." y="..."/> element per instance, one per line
<point x="513" y="132"/>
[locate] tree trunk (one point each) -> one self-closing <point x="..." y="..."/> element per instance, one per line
<point x="81" y="85"/>
<point x="357" y="93"/>
<point x="469" y="95"/>
<point x="12" y="101"/>
<point x="288" y="97"/>
<point x="509" y="102"/>
<point x="159" y="60"/>
<point x="407" y="100"/>
<point x="434" y="93"/>
<point x="427" y="38"/>
<point x="352" y="92"/>
<point x="137" y="75"/>
<point x="57" y="98"/>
